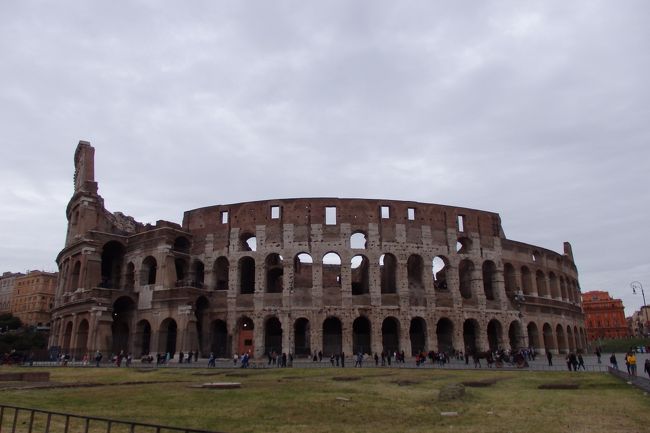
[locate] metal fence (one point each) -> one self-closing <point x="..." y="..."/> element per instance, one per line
<point x="15" y="419"/>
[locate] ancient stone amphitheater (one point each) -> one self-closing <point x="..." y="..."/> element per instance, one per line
<point x="306" y="275"/>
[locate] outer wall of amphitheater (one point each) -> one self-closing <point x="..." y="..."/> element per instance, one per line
<point x="306" y="275"/>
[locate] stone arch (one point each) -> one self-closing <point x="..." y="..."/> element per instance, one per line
<point x="274" y="273"/>
<point x="129" y="277"/>
<point x="219" y="340"/>
<point x="181" y="245"/>
<point x="464" y="245"/>
<point x="198" y="274"/>
<point x="390" y="337"/>
<point x="82" y="337"/>
<point x="123" y="310"/>
<point x="67" y="337"/>
<point x="549" y="340"/>
<point x="388" y="273"/>
<point x="471" y="332"/>
<point x="359" y="270"/>
<point x="272" y="335"/>
<point x="554" y="289"/>
<point x="111" y="269"/>
<point x="182" y="271"/>
<point x="561" y="339"/>
<point x="246" y="267"/>
<point x="331" y="270"/>
<point x="358" y="240"/>
<point x="415" y="270"/>
<point x="540" y="280"/>
<point x="445" y="334"/>
<point x="142" y="337"/>
<point x="148" y="271"/>
<point x="245" y="335"/>
<point x="303" y="271"/>
<point x="465" y="269"/>
<point x="571" y="343"/>
<point x="247" y="242"/>
<point x="332" y="335"/>
<point x="489" y="280"/>
<point x="516" y="335"/>
<point x="526" y="281"/>
<point x="167" y="336"/>
<point x="533" y="336"/>
<point x="495" y="335"/>
<point x="418" y="335"/>
<point x="201" y="307"/>
<point x="221" y="271"/>
<point x="361" y="335"/>
<point x="439" y="267"/>
<point x="301" y="337"/>
<point x="510" y="279"/>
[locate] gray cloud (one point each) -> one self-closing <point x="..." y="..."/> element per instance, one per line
<point x="537" y="111"/>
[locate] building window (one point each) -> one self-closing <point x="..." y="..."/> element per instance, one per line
<point x="330" y="215"/>
<point x="275" y="212"/>
<point x="385" y="212"/>
<point x="224" y="217"/>
<point x="410" y="214"/>
<point x="460" y="223"/>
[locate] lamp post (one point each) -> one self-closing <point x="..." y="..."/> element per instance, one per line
<point x="635" y="285"/>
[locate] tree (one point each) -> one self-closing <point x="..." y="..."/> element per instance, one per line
<point x="9" y="322"/>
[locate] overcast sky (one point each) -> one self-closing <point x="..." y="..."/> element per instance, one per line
<point x="536" y="110"/>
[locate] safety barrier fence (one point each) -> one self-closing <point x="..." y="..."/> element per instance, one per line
<point x="14" y="419"/>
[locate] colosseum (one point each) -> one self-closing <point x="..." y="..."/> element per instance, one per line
<point x="305" y="275"/>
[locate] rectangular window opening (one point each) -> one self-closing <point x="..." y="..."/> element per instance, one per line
<point x="461" y="223"/>
<point x="330" y="215"/>
<point x="410" y="214"/>
<point x="385" y="212"/>
<point x="224" y="217"/>
<point x="275" y="212"/>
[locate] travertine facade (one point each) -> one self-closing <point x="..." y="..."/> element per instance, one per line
<point x="305" y="275"/>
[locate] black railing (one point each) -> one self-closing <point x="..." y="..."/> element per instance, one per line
<point x="15" y="419"/>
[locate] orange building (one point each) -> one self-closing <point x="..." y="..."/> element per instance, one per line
<point x="604" y="316"/>
<point x="33" y="297"/>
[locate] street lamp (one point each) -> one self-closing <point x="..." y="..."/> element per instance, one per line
<point x="635" y="285"/>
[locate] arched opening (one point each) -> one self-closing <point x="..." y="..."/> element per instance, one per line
<point x="148" y="271"/>
<point x="526" y="281"/>
<point x="418" y="335"/>
<point x="74" y="278"/>
<point x="67" y="337"/>
<point x="246" y="275"/>
<point x="495" y="334"/>
<point x="221" y="273"/>
<point x="219" y="342"/>
<point x="470" y="335"/>
<point x="274" y="273"/>
<point x="359" y="270"/>
<point x="561" y="339"/>
<point x="303" y="271"/>
<point x="570" y="339"/>
<point x="510" y="280"/>
<point x="415" y="268"/>
<point x="388" y="272"/>
<point x="301" y="337"/>
<point x="82" y="337"/>
<point x="440" y="265"/>
<point x="167" y="336"/>
<point x="331" y="270"/>
<point x="389" y="335"/>
<point x="565" y="295"/>
<point x="549" y="341"/>
<point x="465" y="269"/>
<point x="489" y="279"/>
<point x="112" y="258"/>
<point x="358" y="241"/>
<point x="464" y="245"/>
<point x="332" y="336"/>
<point x="248" y="242"/>
<point x="272" y="335"/>
<point x="553" y="286"/>
<point x="129" y="282"/>
<point x="245" y="336"/>
<point x="181" y="272"/>
<point x="123" y="309"/>
<point x="200" y="308"/>
<point x="445" y="335"/>
<point x="361" y="335"/>
<point x="533" y="336"/>
<point x="181" y="245"/>
<point x="198" y="274"/>
<point x="142" y="341"/>
<point x="515" y="335"/>
<point x="540" y="278"/>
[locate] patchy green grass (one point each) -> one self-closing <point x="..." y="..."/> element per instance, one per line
<point x="379" y="400"/>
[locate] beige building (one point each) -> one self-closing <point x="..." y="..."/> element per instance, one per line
<point x="306" y="275"/>
<point x="33" y="297"/>
<point x="7" y="283"/>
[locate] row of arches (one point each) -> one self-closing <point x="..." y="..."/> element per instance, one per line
<point x="540" y="284"/>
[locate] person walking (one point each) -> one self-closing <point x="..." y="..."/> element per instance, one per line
<point x="613" y="362"/>
<point x="549" y="356"/>
<point x="581" y="362"/>
<point x="646" y="367"/>
<point x="631" y="360"/>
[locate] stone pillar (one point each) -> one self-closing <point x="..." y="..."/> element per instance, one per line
<point x="404" y="337"/>
<point x="91" y="269"/>
<point x="477" y="288"/>
<point x="432" y="337"/>
<point x="499" y="288"/>
<point x="482" y="343"/>
<point x="258" y="337"/>
<point x="287" y="333"/>
<point x="346" y="283"/>
<point x="376" y="343"/>
<point x="374" y="282"/>
<point x="458" y="340"/>
<point x="316" y="333"/>
<point x="317" y="281"/>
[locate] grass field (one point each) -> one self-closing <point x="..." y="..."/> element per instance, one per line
<point x="350" y="400"/>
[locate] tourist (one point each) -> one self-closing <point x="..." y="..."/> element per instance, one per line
<point x="181" y="355"/>
<point x="98" y="358"/>
<point x="376" y="359"/>
<point x="613" y="362"/>
<point x="211" y="360"/>
<point x="631" y="360"/>
<point x="646" y="366"/>
<point x="549" y="356"/>
<point x="235" y="358"/>
<point x="332" y="360"/>
<point x="581" y="362"/>
<point x="598" y="354"/>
